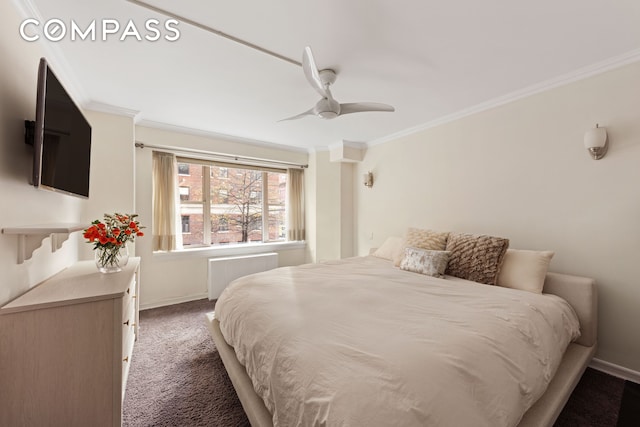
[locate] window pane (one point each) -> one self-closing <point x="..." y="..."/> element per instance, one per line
<point x="185" y="223"/>
<point x="184" y="193"/>
<point x="191" y="203"/>
<point x="236" y="205"/>
<point x="277" y="189"/>
<point x="183" y="169"/>
<point x="230" y="205"/>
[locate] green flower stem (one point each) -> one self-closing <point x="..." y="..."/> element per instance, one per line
<point x="109" y="257"/>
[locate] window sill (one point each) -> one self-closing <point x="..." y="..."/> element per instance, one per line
<point x="236" y="250"/>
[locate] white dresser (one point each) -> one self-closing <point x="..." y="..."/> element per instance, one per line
<point x="65" y="348"/>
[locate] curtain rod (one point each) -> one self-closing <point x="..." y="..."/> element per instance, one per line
<point x="177" y="150"/>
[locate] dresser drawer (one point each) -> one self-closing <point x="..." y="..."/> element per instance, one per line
<point x="128" y="326"/>
<point x="128" y="339"/>
<point x="129" y="301"/>
<point x="128" y="323"/>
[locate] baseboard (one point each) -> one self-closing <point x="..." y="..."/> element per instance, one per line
<point x="615" y="370"/>
<point x="171" y="301"/>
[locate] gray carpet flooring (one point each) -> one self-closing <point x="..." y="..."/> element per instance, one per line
<point x="177" y="379"/>
<point x="176" y="376"/>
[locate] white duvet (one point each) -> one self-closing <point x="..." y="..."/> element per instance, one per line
<point x="360" y="343"/>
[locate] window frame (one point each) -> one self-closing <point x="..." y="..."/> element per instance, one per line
<point x="207" y="182"/>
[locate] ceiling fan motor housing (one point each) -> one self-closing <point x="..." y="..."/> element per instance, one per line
<point x="327" y="108"/>
<point x="327" y="76"/>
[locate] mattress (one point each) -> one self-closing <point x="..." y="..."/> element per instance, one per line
<point x="359" y="342"/>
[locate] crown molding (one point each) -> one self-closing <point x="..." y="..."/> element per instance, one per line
<point x="562" y="80"/>
<point x="113" y="109"/>
<point x="54" y="55"/>
<point x="319" y="149"/>
<point x="221" y="136"/>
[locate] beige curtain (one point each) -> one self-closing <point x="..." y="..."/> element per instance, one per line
<point x="295" y="203"/>
<point x="167" y="232"/>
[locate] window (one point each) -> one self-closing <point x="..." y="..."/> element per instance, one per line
<point x="223" y="224"/>
<point x="232" y="205"/>
<point x="276" y="191"/>
<point x="183" y="169"/>
<point x="185" y="223"/>
<point x="184" y="193"/>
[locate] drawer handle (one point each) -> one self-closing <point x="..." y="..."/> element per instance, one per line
<point x="133" y="325"/>
<point x="126" y="323"/>
<point x="134" y="296"/>
<point x="128" y="290"/>
<point x="126" y="359"/>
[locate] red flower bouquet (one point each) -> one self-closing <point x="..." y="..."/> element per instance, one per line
<point x="110" y="237"/>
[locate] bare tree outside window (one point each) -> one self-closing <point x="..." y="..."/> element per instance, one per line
<point x="246" y="210"/>
<point x="224" y="196"/>
<point x="244" y="204"/>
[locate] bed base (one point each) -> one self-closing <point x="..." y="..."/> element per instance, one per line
<point x="252" y="404"/>
<point x="580" y="292"/>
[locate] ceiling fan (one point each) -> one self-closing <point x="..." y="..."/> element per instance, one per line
<point x="327" y="107"/>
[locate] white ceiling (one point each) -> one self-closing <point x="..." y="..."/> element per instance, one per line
<point x="430" y="59"/>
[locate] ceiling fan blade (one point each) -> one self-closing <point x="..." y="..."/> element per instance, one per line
<point x="298" y="116"/>
<point x="311" y="72"/>
<point x="362" y="107"/>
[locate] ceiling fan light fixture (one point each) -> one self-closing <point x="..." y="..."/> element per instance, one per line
<point x="327" y="115"/>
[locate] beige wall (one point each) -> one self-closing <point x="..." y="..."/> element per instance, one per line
<point x="325" y="243"/>
<point x="112" y="170"/>
<point x="520" y="171"/>
<point x="22" y="204"/>
<point x="311" y="207"/>
<point x="329" y="208"/>
<point x="171" y="279"/>
<point x="347" y="220"/>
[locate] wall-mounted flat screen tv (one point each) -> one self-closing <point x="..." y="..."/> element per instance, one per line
<point x="61" y="139"/>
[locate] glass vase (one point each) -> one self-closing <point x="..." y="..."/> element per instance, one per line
<point x="111" y="259"/>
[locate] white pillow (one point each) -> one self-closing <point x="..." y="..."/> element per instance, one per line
<point x="423" y="261"/>
<point x="391" y="249"/>
<point x="524" y="270"/>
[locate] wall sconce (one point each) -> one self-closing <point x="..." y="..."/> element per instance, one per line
<point x="596" y="141"/>
<point x="368" y="179"/>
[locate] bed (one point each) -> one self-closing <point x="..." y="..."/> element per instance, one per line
<point x="375" y="380"/>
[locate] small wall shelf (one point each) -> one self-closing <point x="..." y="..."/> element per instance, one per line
<point x="30" y="237"/>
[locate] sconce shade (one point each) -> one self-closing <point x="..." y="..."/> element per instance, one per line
<point x="367" y="178"/>
<point x="595" y="140"/>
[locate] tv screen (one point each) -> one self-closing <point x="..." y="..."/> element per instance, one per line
<point x="62" y="139"/>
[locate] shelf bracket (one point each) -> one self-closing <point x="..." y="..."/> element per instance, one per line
<point x="28" y="243"/>
<point x="31" y="238"/>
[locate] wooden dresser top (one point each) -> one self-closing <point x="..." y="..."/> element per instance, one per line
<point x="82" y="282"/>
